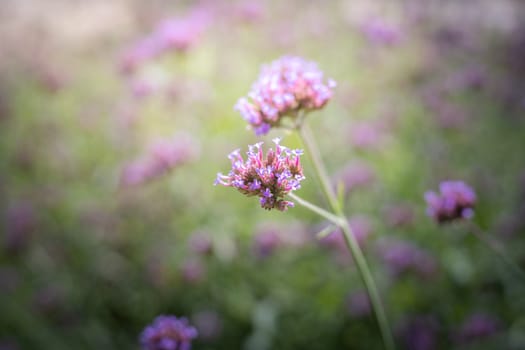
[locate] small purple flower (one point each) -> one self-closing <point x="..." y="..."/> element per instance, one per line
<point x="355" y="175"/>
<point x="284" y="87"/>
<point x="168" y="333"/>
<point x="456" y="200"/>
<point x="400" y="257"/>
<point x="379" y="32"/>
<point x="270" y="178"/>
<point x="21" y="224"/>
<point x="420" y="333"/>
<point x="201" y="243"/>
<point x="208" y="323"/>
<point x="265" y="242"/>
<point x="477" y="326"/>
<point x="358" y="304"/>
<point x="162" y="156"/>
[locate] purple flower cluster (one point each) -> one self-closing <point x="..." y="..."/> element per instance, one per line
<point x="420" y="333"/>
<point x="379" y="32"/>
<point x="168" y="333"/>
<point x="456" y="200"/>
<point x="270" y="178"/>
<point x="284" y="87"/>
<point x="478" y="326"/>
<point x="174" y="34"/>
<point x="400" y="257"/>
<point x="162" y="156"/>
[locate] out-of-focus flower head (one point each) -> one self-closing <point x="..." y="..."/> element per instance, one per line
<point x="284" y="87"/>
<point x="358" y="304"/>
<point x="21" y="223"/>
<point x="208" y="323"/>
<point x="420" y="333"/>
<point x="173" y="34"/>
<point x="400" y="257"/>
<point x="168" y="333"/>
<point x="361" y="229"/>
<point x="200" y="243"/>
<point x="266" y="241"/>
<point x="456" y="200"/>
<point x="380" y="32"/>
<point x="270" y="178"/>
<point x="477" y="326"/>
<point x="270" y="236"/>
<point x="162" y="156"/>
<point x="368" y="135"/>
<point x="193" y="271"/>
<point x="399" y="215"/>
<point x="250" y="11"/>
<point x="355" y="175"/>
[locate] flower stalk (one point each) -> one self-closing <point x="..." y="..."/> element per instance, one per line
<point x="496" y="248"/>
<point x="340" y="220"/>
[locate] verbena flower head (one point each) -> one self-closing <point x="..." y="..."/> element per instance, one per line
<point x="284" y="87"/>
<point x="269" y="177"/>
<point x="168" y="333"/>
<point x="456" y="200"/>
<point x="477" y="326"/>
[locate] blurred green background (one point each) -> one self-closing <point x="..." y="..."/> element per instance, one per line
<point x="427" y="91"/>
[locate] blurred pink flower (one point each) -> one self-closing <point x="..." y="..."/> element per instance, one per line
<point x="21" y="224"/>
<point x="358" y="304"/>
<point x="477" y="326"/>
<point x="193" y="271"/>
<point x="399" y="215"/>
<point x="368" y="134"/>
<point x="173" y="34"/>
<point x="380" y="32"/>
<point x="200" y="242"/>
<point x="208" y="324"/>
<point x="355" y="175"/>
<point x="400" y="257"/>
<point x="335" y="241"/>
<point x="250" y="11"/>
<point x="163" y="156"/>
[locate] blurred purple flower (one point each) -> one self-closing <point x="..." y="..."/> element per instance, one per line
<point x="400" y="257"/>
<point x="200" y="243"/>
<point x="138" y="54"/>
<point x="250" y="11"/>
<point x="173" y="34"/>
<point x="168" y="333"/>
<point x="269" y="236"/>
<point x="270" y="178"/>
<point x="163" y="156"/>
<point x="367" y="135"/>
<point x="361" y="229"/>
<point x="358" y="304"/>
<point x="21" y="224"/>
<point x="141" y="88"/>
<point x="208" y="324"/>
<point x="265" y="242"/>
<point x="379" y="32"/>
<point x="420" y="333"/>
<point x="477" y="326"/>
<point x="8" y="344"/>
<point x="284" y="87"/>
<point x="456" y="200"/>
<point x="192" y="271"/>
<point x="355" y="175"/>
<point x="399" y="215"/>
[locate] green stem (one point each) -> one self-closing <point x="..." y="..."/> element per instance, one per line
<point x="351" y="242"/>
<point x="496" y="247"/>
<point x="325" y="214"/>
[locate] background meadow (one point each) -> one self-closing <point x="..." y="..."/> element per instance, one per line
<point x="95" y="244"/>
